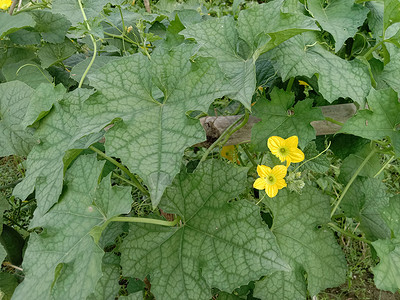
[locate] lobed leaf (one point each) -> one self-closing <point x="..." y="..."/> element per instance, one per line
<point x="52" y="27"/>
<point x="10" y="24"/>
<point x="219" y="244"/>
<point x="63" y="262"/>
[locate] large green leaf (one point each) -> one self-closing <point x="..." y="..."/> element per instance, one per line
<point x="364" y="201"/>
<point x="155" y="131"/>
<point x="391" y="13"/>
<point x="337" y="77"/>
<point x="277" y="119"/>
<point x="51" y="54"/>
<point x="391" y="72"/>
<point x="52" y="27"/>
<point x="391" y="215"/>
<point x="8" y="283"/>
<point x="63" y="262"/>
<point x="14" y="101"/>
<point x="9" y="24"/>
<point x="341" y="18"/>
<point x="310" y="248"/>
<point x="41" y="102"/>
<point x="387" y="272"/>
<point x="219" y="244"/>
<point x="380" y="120"/>
<point x="262" y="27"/>
<point x="108" y="285"/>
<point x="64" y="128"/>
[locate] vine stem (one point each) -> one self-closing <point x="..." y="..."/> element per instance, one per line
<point x="227" y="134"/>
<point x="290" y="84"/>
<point x="310" y="159"/>
<point x="338" y="229"/>
<point x="333" y="121"/>
<point x="94" y="46"/>
<point x="146" y="220"/>
<point x="384" y="166"/>
<point x="352" y="180"/>
<point x="135" y="182"/>
<point x="248" y="154"/>
<point x="366" y="55"/>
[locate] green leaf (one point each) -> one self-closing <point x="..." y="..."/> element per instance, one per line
<point x="364" y="201"/>
<point x="341" y="18"/>
<point x="375" y="18"/>
<point x="391" y="215"/>
<point x="78" y="70"/>
<point x="266" y="26"/>
<point x="219" y="38"/>
<point x="312" y="251"/>
<point x="51" y="54"/>
<point x="320" y="164"/>
<point x="155" y="131"/>
<point x="71" y="10"/>
<point x="337" y="77"/>
<point x="14" y="101"/>
<point x="387" y="272"/>
<point x="108" y="285"/>
<point x="186" y="261"/>
<point x="63" y="262"/>
<point x="8" y="283"/>
<point x="42" y="101"/>
<point x="25" y="37"/>
<point x="3" y="252"/>
<point x="135" y="296"/>
<point x="391" y="12"/>
<point x="277" y="118"/>
<point x="52" y="27"/>
<point x="4" y="205"/>
<point x="64" y="128"/>
<point x="380" y="120"/>
<point x="262" y="27"/>
<point x="10" y="24"/>
<point x="391" y="72"/>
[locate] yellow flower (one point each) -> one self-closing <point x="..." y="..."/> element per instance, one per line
<point x="5" y="4"/>
<point x="301" y="82"/>
<point x="286" y="149"/>
<point x="270" y="179"/>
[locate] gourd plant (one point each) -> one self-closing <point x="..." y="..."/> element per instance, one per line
<point x="104" y="100"/>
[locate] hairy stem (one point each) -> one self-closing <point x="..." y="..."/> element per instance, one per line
<point x="135" y="182"/>
<point x="352" y="180"/>
<point x="346" y="233"/>
<point x="94" y="46"/>
<point x="333" y="121"/>
<point x="146" y="220"/>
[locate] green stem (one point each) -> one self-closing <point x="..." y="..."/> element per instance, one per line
<point x="373" y="151"/>
<point x="366" y="55"/>
<point x="344" y="232"/>
<point x="290" y="84"/>
<point x="146" y="220"/>
<point x="319" y="154"/>
<point x="248" y="155"/>
<point x="94" y="46"/>
<point x="227" y="133"/>
<point x="135" y="182"/>
<point x="333" y="121"/>
<point x="384" y="166"/>
<point x="123" y="37"/>
<point x="33" y="65"/>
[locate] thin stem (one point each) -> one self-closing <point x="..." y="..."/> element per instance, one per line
<point x="344" y="232"/>
<point x="373" y="151"/>
<point x="333" y="121"/>
<point x="6" y="263"/>
<point x="290" y="84"/>
<point x="225" y="133"/>
<point x="319" y="154"/>
<point x="40" y="70"/>
<point x="146" y="220"/>
<point x="230" y="133"/>
<point x="123" y="168"/>
<point x="248" y="155"/>
<point x="366" y="55"/>
<point x="94" y="46"/>
<point x="384" y="166"/>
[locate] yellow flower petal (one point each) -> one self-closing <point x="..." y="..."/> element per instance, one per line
<point x="296" y="155"/>
<point x="263" y="171"/>
<point x="275" y="142"/>
<point x="271" y="190"/>
<point x="292" y="142"/>
<point x="259" y="184"/>
<point x="279" y="171"/>
<point x="281" y="183"/>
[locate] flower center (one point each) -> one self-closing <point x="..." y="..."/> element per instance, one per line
<point x="270" y="179"/>
<point x="282" y="150"/>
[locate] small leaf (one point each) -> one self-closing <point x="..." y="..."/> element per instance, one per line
<point x="220" y="244"/>
<point x="337" y="77"/>
<point x="341" y="18"/>
<point x="276" y="119"/>
<point x="381" y="120"/>
<point x="52" y="27"/>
